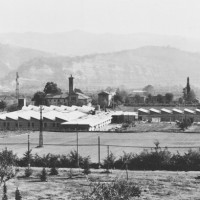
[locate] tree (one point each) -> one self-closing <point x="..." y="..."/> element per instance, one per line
<point x="51" y="88"/>
<point x="191" y="97"/>
<point x="7" y="161"/>
<point x="137" y="98"/>
<point x="160" y="98"/>
<point x="78" y="90"/>
<point x="169" y="97"/>
<point x="18" y="195"/>
<point x="149" y="89"/>
<point x="2" y="105"/>
<point x="39" y="98"/>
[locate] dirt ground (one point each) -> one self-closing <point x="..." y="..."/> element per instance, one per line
<point x="155" y="185"/>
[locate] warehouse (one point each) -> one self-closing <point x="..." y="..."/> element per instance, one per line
<point x="89" y="123"/>
<point x="52" y="117"/>
<point x="166" y="115"/>
<point x="122" y="117"/>
<point x="143" y="114"/>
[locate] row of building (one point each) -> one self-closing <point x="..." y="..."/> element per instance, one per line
<point x="54" y="118"/>
<point x="164" y="114"/>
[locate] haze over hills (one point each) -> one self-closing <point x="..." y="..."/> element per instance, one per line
<point x="131" y="68"/>
<point x="11" y="57"/>
<point x="76" y="43"/>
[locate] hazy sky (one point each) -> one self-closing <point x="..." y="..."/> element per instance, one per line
<point x="169" y="17"/>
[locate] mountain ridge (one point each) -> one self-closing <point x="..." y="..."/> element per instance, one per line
<point x="132" y="68"/>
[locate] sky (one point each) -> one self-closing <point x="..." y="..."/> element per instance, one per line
<point x="166" y="17"/>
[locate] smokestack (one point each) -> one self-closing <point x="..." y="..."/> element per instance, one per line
<point x="71" y="89"/>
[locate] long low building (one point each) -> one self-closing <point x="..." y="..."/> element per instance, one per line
<point x="52" y="118"/>
<point x="164" y="114"/>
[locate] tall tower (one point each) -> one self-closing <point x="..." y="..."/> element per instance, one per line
<point x="17" y="85"/>
<point x="188" y="86"/>
<point x="71" y="89"/>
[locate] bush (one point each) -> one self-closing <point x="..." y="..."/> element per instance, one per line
<point x="73" y="159"/>
<point x="86" y="165"/>
<point x="28" y="172"/>
<point x="5" y="192"/>
<point x="18" y="195"/>
<point x="118" y="190"/>
<point x="43" y="175"/>
<point x="53" y="171"/>
<point x="109" y="161"/>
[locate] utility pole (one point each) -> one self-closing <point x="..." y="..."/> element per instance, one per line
<point x="28" y="150"/>
<point x="99" y="152"/>
<point x="77" y="149"/>
<point x="41" y="129"/>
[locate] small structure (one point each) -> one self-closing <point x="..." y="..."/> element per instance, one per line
<point x="155" y="115"/>
<point x="166" y="115"/>
<point x="177" y="114"/>
<point x="137" y="97"/>
<point x="143" y="114"/>
<point x="119" y="117"/>
<point x="105" y="99"/>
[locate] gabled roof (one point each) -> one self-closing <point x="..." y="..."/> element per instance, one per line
<point x="164" y="110"/>
<point x="143" y="110"/>
<point x="186" y="110"/>
<point x="197" y="111"/>
<point x="175" y="110"/>
<point x="57" y="96"/>
<point x="104" y="93"/>
<point x="154" y="110"/>
<point x="82" y="96"/>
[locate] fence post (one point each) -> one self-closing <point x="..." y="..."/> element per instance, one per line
<point x="127" y="170"/>
<point x="108" y="154"/>
<point x="99" y="151"/>
<point x="77" y="149"/>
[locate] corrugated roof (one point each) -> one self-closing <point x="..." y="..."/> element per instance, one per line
<point x="189" y="111"/>
<point x="143" y="110"/>
<point x="154" y="110"/>
<point x="166" y="110"/>
<point x="177" y="111"/>
<point x="90" y="120"/>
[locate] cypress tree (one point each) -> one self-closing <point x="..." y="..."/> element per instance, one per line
<point x="18" y="195"/>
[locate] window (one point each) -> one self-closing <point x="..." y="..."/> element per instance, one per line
<point x="29" y="124"/>
<point x="54" y="124"/>
<point x="57" y="124"/>
<point x="32" y="124"/>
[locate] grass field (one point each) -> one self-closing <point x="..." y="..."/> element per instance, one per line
<point x="58" y="142"/>
<point x="155" y="185"/>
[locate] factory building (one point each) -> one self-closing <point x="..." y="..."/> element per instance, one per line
<point x="54" y="118"/>
<point x="68" y="99"/>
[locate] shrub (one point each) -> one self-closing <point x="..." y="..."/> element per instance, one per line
<point x="43" y="175"/>
<point x="18" y="195"/>
<point x="73" y="159"/>
<point x="109" y="161"/>
<point x="86" y="165"/>
<point x="118" y="190"/>
<point x="28" y="172"/>
<point x="5" y="192"/>
<point x="53" y="171"/>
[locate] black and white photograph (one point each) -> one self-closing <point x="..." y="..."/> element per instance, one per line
<point x="99" y="100"/>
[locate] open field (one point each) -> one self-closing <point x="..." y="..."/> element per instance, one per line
<point x="63" y="143"/>
<point x="155" y="185"/>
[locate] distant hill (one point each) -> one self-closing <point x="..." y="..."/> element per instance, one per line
<point x="11" y="57"/>
<point x="132" y="68"/>
<point x="76" y="43"/>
